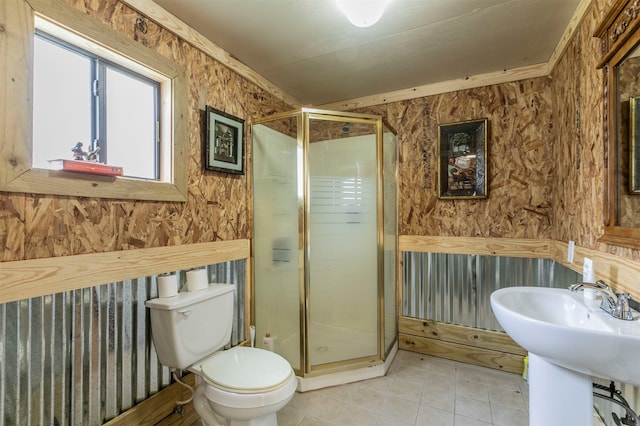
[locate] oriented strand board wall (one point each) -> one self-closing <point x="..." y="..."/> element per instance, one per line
<point x="546" y="152"/>
<point x="520" y="166"/>
<point x="545" y="161"/>
<point x="578" y="100"/>
<point x="37" y="226"/>
<point x="578" y="132"/>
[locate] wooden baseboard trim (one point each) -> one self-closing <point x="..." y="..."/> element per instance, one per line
<point x="467" y="336"/>
<point x="159" y="409"/>
<point x="465" y="344"/>
<point x="456" y="352"/>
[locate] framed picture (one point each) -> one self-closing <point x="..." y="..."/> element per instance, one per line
<point x="224" y="142"/>
<point x="634" y="146"/>
<point x="462" y="160"/>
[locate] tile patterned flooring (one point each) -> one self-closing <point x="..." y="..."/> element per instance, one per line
<point x="418" y="390"/>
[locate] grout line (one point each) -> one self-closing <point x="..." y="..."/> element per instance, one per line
<point x="414" y="365"/>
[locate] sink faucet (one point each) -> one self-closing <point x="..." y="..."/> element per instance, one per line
<point x="616" y="305"/>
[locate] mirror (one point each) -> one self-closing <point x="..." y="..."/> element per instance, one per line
<point x="620" y="37"/>
<point x="627" y="175"/>
<point x="634" y="148"/>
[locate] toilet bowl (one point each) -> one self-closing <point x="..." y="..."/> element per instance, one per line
<point x="242" y="387"/>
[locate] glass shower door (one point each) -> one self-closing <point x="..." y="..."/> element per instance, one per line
<point x="324" y="246"/>
<point x="343" y="249"/>
<point x="277" y="207"/>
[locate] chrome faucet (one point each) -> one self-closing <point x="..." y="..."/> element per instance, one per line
<point x="616" y="305"/>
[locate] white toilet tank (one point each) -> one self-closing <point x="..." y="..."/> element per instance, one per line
<point x="192" y="325"/>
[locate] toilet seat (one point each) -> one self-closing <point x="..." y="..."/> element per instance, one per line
<point x="246" y="370"/>
<point x="221" y="400"/>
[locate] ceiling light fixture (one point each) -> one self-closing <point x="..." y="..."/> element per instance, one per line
<point x="362" y="13"/>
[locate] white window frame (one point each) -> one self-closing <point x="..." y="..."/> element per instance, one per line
<point x="16" y="145"/>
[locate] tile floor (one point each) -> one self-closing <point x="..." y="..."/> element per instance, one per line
<point x="417" y="390"/>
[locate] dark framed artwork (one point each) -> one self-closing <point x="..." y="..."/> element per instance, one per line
<point x="634" y="146"/>
<point x="462" y="160"/>
<point x="224" y="142"/>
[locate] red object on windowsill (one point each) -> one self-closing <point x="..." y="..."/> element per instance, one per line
<point x="89" y="167"/>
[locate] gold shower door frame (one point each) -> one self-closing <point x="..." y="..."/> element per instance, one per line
<point x="304" y="116"/>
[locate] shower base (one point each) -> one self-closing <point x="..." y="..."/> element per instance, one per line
<point x="357" y="374"/>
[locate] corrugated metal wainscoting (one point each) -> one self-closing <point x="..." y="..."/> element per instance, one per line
<point x="456" y="288"/>
<point x="82" y="357"/>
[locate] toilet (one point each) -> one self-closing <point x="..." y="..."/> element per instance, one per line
<point x="241" y="386"/>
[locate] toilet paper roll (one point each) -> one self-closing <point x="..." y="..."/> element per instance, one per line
<point x="197" y="279"/>
<point x="167" y="285"/>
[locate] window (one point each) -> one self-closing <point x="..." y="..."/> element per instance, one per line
<point x="91" y="109"/>
<point x="132" y="79"/>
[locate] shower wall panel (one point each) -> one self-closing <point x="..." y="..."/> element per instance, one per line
<point x="82" y="357"/>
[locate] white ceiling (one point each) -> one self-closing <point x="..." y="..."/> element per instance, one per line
<point x="310" y="51"/>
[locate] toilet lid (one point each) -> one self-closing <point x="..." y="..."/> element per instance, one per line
<point x="242" y="369"/>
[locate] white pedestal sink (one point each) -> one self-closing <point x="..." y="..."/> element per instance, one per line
<point x="558" y="396"/>
<point x="568" y="342"/>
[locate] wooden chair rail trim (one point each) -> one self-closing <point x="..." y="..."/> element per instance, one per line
<point x="620" y="272"/>
<point x="38" y="277"/>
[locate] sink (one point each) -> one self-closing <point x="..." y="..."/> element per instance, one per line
<point x="569" y="340"/>
<point x="557" y="324"/>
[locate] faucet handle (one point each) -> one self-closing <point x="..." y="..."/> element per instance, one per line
<point x="622" y="307"/>
<point x="623" y="298"/>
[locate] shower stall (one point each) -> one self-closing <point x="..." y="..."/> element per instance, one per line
<point x="325" y="239"/>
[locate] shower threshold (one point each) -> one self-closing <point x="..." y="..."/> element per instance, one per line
<point x="321" y="381"/>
